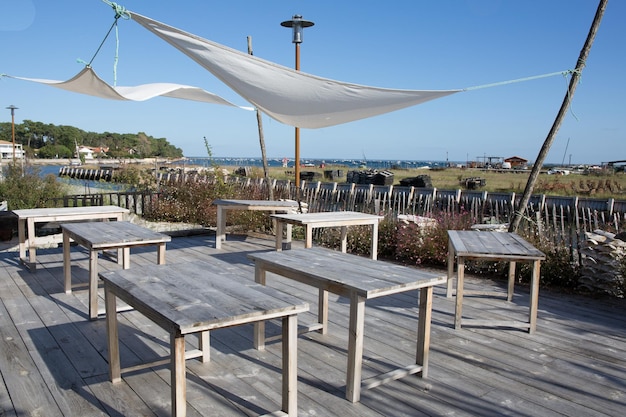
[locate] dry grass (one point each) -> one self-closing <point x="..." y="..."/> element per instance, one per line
<point x="592" y="185"/>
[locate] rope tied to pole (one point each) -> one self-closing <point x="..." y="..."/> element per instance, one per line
<point x="535" y="77"/>
<point x="120" y="12"/>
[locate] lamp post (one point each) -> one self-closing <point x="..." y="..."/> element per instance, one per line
<point x="13" y="108"/>
<point x="298" y="25"/>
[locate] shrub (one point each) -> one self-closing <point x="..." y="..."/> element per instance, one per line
<point x="24" y="188"/>
<point x="428" y="245"/>
<point x="557" y="270"/>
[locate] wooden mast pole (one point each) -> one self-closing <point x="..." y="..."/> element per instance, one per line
<point x="580" y="64"/>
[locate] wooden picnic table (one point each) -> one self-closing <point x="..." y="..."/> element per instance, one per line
<point x="27" y="218"/>
<point x="195" y="298"/>
<point x="359" y="279"/>
<point x="101" y="236"/>
<point x="341" y="219"/>
<point x="253" y="205"/>
<point x="492" y="246"/>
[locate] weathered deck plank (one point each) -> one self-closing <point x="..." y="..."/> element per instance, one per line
<point x="52" y="358"/>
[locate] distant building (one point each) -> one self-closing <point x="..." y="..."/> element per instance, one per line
<point x="6" y="150"/>
<point x="85" y="152"/>
<point x="89" y="152"/>
<point x="517" y="162"/>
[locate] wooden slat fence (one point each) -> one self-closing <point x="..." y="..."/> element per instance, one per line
<point x="563" y="219"/>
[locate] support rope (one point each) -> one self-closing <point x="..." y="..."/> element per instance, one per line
<point x="120" y="12"/>
<point x="536" y="77"/>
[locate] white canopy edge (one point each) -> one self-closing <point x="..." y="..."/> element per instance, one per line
<point x="87" y="82"/>
<point x="292" y="97"/>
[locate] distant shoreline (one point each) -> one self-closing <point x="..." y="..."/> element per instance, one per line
<point x="112" y="161"/>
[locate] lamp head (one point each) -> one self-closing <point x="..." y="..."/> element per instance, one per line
<point x="298" y="25"/>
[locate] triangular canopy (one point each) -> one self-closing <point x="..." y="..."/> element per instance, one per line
<point x="87" y="82"/>
<point x="291" y="97"/>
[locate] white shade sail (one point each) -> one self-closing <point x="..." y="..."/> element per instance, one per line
<point x="291" y="97"/>
<point x="87" y="82"/>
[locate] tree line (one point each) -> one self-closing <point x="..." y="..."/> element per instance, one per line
<point x="44" y="140"/>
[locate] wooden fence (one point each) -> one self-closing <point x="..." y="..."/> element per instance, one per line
<point x="563" y="219"/>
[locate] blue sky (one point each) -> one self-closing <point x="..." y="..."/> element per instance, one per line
<point x="408" y="44"/>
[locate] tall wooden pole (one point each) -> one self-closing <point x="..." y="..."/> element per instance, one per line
<point x="580" y="64"/>
<point x="297" y="129"/>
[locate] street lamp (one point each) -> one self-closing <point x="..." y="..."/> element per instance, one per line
<point x="298" y="25"/>
<point x="13" y="108"/>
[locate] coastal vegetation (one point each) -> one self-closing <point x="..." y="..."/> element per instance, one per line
<point x="399" y="241"/>
<point x="44" y="140"/>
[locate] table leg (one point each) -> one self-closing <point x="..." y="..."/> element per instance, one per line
<point x="221" y="227"/>
<point x="93" y="284"/>
<point x="322" y="310"/>
<point x="344" y="239"/>
<point x="21" y="234"/>
<point x="204" y="344"/>
<point x="355" y="347"/>
<point x="423" y="328"/>
<point x="510" y="288"/>
<point x="288" y="235"/>
<point x="309" y="236"/>
<point x="121" y="257"/>
<point x="375" y="241"/>
<point x="290" y="365"/>
<point x="280" y="227"/>
<point x="450" y="269"/>
<point x="179" y="382"/>
<point x="259" y="326"/>
<point x="161" y="254"/>
<point x="534" y="296"/>
<point x="32" y="248"/>
<point x="67" y="267"/>
<point x="125" y="258"/>
<point x="115" y="373"/>
<point x="459" y="291"/>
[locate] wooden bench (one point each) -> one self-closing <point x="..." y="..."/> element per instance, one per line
<point x="27" y="218"/>
<point x="101" y="236"/>
<point x="341" y="219"/>
<point x="253" y="205"/>
<point x="359" y="279"/>
<point x="492" y="246"/>
<point x="194" y="298"/>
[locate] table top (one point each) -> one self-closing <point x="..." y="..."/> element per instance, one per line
<point x="69" y="211"/>
<point x="197" y="296"/>
<point x="342" y="273"/>
<point x="330" y="218"/>
<point x="108" y="233"/>
<point x="256" y="203"/>
<point x="499" y="244"/>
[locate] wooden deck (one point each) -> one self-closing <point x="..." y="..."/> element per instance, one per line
<point x="53" y="359"/>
